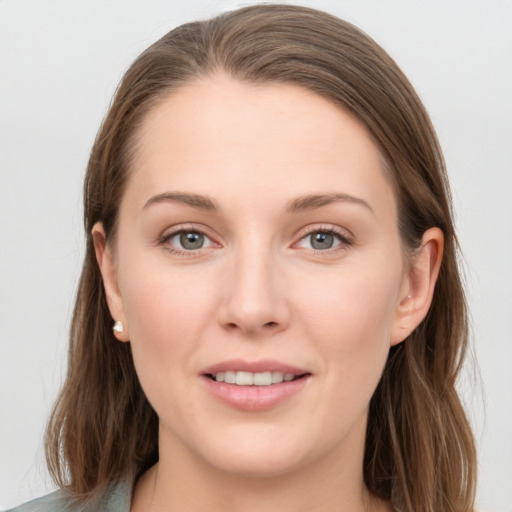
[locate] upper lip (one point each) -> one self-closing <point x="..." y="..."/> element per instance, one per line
<point x="264" y="365"/>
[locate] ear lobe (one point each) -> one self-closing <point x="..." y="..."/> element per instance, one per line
<point x="419" y="284"/>
<point x="108" y="271"/>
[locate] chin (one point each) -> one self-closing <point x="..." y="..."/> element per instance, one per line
<point x="260" y="456"/>
<point x="259" y="465"/>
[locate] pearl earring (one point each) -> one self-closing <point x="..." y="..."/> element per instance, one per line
<point x="118" y="326"/>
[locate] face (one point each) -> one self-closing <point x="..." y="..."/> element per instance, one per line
<point x="259" y="274"/>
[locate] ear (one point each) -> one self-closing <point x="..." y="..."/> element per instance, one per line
<point x="418" y="286"/>
<point x="108" y="271"/>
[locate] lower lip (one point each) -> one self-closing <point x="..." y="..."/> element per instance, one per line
<point x="254" y="398"/>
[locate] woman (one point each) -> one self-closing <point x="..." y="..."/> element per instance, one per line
<point x="270" y="314"/>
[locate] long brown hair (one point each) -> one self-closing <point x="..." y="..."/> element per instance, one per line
<point x="419" y="450"/>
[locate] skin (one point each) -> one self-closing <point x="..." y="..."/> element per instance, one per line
<point x="258" y="290"/>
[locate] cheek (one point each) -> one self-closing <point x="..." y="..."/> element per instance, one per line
<point x="355" y="311"/>
<point x="351" y="328"/>
<point x="158" y="296"/>
<point x="351" y="324"/>
<point x="166" y="312"/>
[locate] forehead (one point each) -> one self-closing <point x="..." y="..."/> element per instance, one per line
<point x="220" y="135"/>
<point x="253" y="114"/>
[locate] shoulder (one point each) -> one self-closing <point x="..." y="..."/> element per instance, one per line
<point x="57" y="501"/>
<point x="117" y="498"/>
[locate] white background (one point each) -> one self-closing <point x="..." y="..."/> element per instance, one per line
<point x="60" y="62"/>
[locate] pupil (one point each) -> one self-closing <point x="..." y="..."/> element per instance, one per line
<point x="191" y="240"/>
<point x="322" y="241"/>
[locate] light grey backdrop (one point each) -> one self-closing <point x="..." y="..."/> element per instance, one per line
<point x="60" y="62"/>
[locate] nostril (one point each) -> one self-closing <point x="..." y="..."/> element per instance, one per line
<point x="252" y="325"/>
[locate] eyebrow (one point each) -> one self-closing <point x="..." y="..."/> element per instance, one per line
<point x="310" y="202"/>
<point x="302" y="203"/>
<point x="195" y="200"/>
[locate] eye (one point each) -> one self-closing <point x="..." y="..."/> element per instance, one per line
<point x="323" y="240"/>
<point x="187" y="240"/>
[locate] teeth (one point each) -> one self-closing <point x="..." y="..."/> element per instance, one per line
<point x="244" y="379"/>
<point x="230" y="377"/>
<point x="277" y="377"/>
<point x="262" y="379"/>
<point x="253" y="379"/>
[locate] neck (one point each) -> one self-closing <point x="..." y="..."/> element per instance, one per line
<point x="184" y="483"/>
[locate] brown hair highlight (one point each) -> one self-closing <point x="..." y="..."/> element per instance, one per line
<point x="419" y="451"/>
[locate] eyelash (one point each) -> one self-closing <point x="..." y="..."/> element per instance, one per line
<point x="166" y="238"/>
<point x="344" y="240"/>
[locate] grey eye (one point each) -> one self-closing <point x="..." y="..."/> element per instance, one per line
<point x="187" y="240"/>
<point x="321" y="240"/>
<point x="191" y="240"/>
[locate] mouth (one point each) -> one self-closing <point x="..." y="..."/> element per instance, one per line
<point x="255" y="386"/>
<point x="245" y="378"/>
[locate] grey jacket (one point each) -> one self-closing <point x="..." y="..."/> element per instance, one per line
<point x="117" y="498"/>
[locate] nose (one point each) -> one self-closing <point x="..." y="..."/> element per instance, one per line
<point x="254" y="296"/>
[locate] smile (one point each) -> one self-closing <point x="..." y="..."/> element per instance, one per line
<point x="255" y="386"/>
<point x="242" y="378"/>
